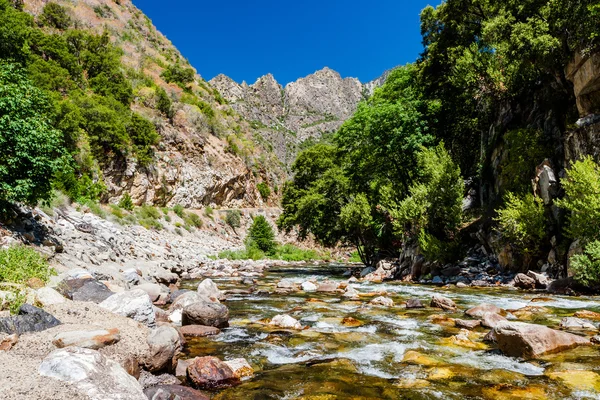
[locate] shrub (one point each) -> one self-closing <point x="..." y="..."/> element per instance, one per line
<point x="264" y="190"/>
<point x="289" y="252"/>
<point x="261" y="235"/>
<point x="182" y="76"/>
<point x="522" y="222"/>
<point x="193" y="219"/>
<point x="208" y="211"/>
<point x="586" y="266"/>
<point x="143" y="135"/>
<point x="95" y="208"/>
<point x="126" y="202"/>
<point x="56" y="16"/>
<point x="582" y="200"/>
<point x="18" y="264"/>
<point x="164" y="103"/>
<point x="178" y="210"/>
<point x="233" y="218"/>
<point x="148" y="212"/>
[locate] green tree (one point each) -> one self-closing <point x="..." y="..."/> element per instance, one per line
<point x="586" y="266"/>
<point x="15" y="29"/>
<point x="143" y="135"/>
<point x="261" y="235"/>
<point x="56" y="16"/>
<point x="31" y="148"/>
<point x="233" y="218"/>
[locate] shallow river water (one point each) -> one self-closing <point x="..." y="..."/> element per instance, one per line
<point x="392" y="353"/>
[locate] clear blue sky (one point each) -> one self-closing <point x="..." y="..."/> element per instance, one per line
<point x="246" y="39"/>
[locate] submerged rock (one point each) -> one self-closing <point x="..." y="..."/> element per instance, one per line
<point x="482" y="309"/>
<point x="194" y="331"/>
<point x="414" y="303"/>
<point x="205" y="313"/>
<point x="576" y="324"/>
<point x="442" y="302"/>
<point x="382" y="301"/>
<point x="93" y="339"/>
<point x="30" y="319"/>
<point x="518" y="339"/>
<point x="240" y="368"/>
<point x="211" y="373"/>
<point x="92" y="374"/>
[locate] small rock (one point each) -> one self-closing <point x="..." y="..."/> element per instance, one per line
<point x="414" y="303"/>
<point x="47" y="296"/>
<point x="210" y="373"/>
<point x="206" y="313"/>
<point x="175" y="294"/>
<point x="95" y="339"/>
<point x="382" y="301"/>
<point x="134" y="304"/>
<point x="576" y="324"/>
<point x="285" y="284"/>
<point x="442" y="302"/>
<point x="353" y="280"/>
<point x="467" y="324"/>
<point x="92" y="374"/>
<point x="173" y="392"/>
<point x="209" y="290"/>
<point x="152" y="289"/>
<point x="309" y="287"/>
<point x="8" y="341"/>
<point x="524" y="282"/>
<point x="327" y="287"/>
<point x="131" y="276"/>
<point x="286" y="322"/>
<point x="461" y="285"/>
<point x="482" y="309"/>
<point x="491" y="320"/>
<point x="194" y="331"/>
<point x="437" y="280"/>
<point x="240" y="368"/>
<point x="30" y="319"/>
<point x="165" y="346"/>
<point x="587" y="314"/>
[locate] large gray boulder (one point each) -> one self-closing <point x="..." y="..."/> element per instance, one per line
<point x="518" y="339"/>
<point x="205" y="313"/>
<point x="134" y="304"/>
<point x="30" y="319"/>
<point x="92" y="374"/>
<point x="165" y="346"/>
<point x="83" y="289"/>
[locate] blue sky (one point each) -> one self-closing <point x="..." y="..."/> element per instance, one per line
<point x="246" y="39"/>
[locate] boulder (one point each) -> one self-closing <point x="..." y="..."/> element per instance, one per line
<point x="131" y="276"/>
<point x="327" y="287"/>
<point x="134" y="304"/>
<point x="285" y="321"/>
<point x="577" y="324"/>
<point x="186" y="299"/>
<point x="210" y="373"/>
<point x="442" y="302"/>
<point x="437" y="280"/>
<point x="351" y="293"/>
<point x="309" y="287"/>
<point x="174" y="392"/>
<point x="541" y="281"/>
<point x="175" y="294"/>
<point x="382" y="301"/>
<point x="152" y="289"/>
<point x="524" y="282"/>
<point x="240" y="368"/>
<point x="165" y="276"/>
<point x="29" y="319"/>
<point x="519" y="339"/>
<point x="414" y="303"/>
<point x="491" y="320"/>
<point x="165" y="346"/>
<point x="47" y="296"/>
<point x="93" y="339"/>
<point x="587" y="314"/>
<point x="209" y="290"/>
<point x="482" y="309"/>
<point x="195" y="331"/>
<point x="205" y="313"/>
<point x="84" y="290"/>
<point x="467" y="324"/>
<point x="92" y="374"/>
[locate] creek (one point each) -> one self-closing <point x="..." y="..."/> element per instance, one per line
<point x="390" y="352"/>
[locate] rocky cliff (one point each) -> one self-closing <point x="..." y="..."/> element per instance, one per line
<point x="207" y="153"/>
<point x="302" y="110"/>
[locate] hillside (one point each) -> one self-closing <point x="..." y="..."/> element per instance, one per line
<point x="301" y="112"/>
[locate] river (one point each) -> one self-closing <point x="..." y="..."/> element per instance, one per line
<point x="390" y="352"/>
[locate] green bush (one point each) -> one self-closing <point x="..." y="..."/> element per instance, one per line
<point x="208" y="211"/>
<point x="582" y="200"/>
<point x="233" y="218"/>
<point x="95" y="208"/>
<point x="523" y="152"/>
<point x="586" y="266"/>
<point x="117" y="211"/>
<point x="179" y="211"/>
<point x="143" y="135"/>
<point x="18" y="264"/>
<point x="522" y="222"/>
<point x="193" y="219"/>
<point x="150" y="212"/>
<point x="164" y="103"/>
<point x="289" y="252"/>
<point x="264" y="190"/>
<point x="56" y="16"/>
<point x="182" y="76"/>
<point x="126" y="202"/>
<point x="261" y="235"/>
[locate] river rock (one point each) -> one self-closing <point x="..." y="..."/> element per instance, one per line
<point x="165" y="276"/>
<point x="175" y="294"/>
<point x="382" y="301"/>
<point x="153" y="290"/>
<point x="285" y="321"/>
<point x="210" y="373"/>
<point x="587" y="314"/>
<point x="524" y="282"/>
<point x="442" y="302"/>
<point x="577" y="323"/>
<point x="327" y="287"/>
<point x="490" y="319"/>
<point x="414" y="303"/>
<point x="30" y="319"/>
<point x="93" y="339"/>
<point x="482" y="309"/>
<point x="165" y="346"/>
<point x="541" y="281"/>
<point x="209" y="290"/>
<point x="285" y="284"/>
<point x="47" y="296"/>
<point x="173" y="392"/>
<point x="467" y="324"/>
<point x="519" y="339"/>
<point x="92" y="374"/>
<point x="240" y="368"/>
<point x="84" y="290"/>
<point x="351" y="293"/>
<point x="134" y="304"/>
<point x="194" y="331"/>
<point x="309" y="287"/>
<point x="205" y="313"/>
